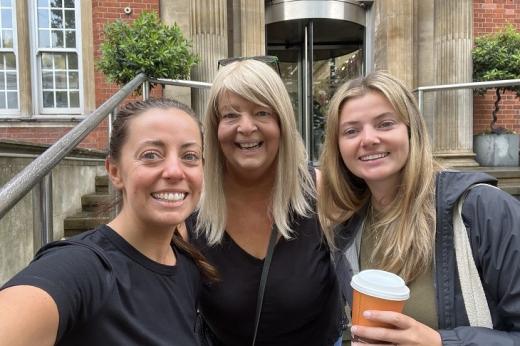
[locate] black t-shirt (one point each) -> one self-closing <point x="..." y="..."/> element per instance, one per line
<point x="108" y="293"/>
<point x="301" y="300"/>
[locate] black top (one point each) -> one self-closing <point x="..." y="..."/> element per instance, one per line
<point x="301" y="301"/>
<point x="108" y="293"/>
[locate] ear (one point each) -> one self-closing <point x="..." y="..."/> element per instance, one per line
<point x="114" y="173"/>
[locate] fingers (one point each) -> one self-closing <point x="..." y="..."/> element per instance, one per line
<point x="395" y="319"/>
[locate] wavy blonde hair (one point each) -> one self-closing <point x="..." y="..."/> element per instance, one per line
<point x="260" y="84"/>
<point x="406" y="228"/>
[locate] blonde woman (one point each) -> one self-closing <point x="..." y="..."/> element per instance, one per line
<point x="257" y="181"/>
<point x="386" y="204"/>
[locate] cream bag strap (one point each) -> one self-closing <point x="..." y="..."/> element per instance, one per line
<point x="472" y="291"/>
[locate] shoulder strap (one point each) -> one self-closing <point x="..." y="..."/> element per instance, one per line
<point x="263" y="279"/>
<point x="473" y="294"/>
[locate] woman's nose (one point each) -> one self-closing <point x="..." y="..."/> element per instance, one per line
<point x="369" y="136"/>
<point x="246" y="124"/>
<point x="173" y="169"/>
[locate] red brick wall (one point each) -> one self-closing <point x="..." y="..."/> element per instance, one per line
<point x="490" y="16"/>
<point x="103" y="11"/>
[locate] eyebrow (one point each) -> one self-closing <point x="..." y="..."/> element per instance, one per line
<point x="159" y="143"/>
<point x="382" y="115"/>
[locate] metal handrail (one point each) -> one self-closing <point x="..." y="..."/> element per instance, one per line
<point x="14" y="190"/>
<point x="39" y="171"/>
<point x="473" y="85"/>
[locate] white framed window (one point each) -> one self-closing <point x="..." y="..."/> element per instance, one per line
<point x="57" y="77"/>
<point x="9" y="76"/>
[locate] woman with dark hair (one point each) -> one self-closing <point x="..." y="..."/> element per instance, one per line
<point x="135" y="280"/>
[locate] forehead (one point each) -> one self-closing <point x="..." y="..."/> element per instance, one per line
<point x="168" y="123"/>
<point x="370" y="104"/>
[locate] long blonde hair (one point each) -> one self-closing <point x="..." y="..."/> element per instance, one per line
<point x="258" y="83"/>
<point x="406" y="228"/>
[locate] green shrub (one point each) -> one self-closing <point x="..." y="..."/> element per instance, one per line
<point x="496" y="56"/>
<point x="144" y="45"/>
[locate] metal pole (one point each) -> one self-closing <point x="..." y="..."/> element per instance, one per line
<point x="146" y="90"/>
<point x="420" y="101"/>
<point x="42" y="214"/>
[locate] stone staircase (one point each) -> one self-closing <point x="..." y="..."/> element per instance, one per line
<point x="91" y="214"/>
<point x="508" y="177"/>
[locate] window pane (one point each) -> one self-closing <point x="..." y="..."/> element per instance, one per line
<point x="11" y="81"/>
<point x="71" y="39"/>
<point x="56" y="19"/>
<point x="48" y="99"/>
<point x="5" y="3"/>
<point x="12" y="100"/>
<point x="61" y="80"/>
<point x="47" y="80"/>
<point x="57" y="39"/>
<point x="73" y="80"/>
<point x="2" y="100"/>
<point x="59" y="61"/>
<point x="7" y="38"/>
<point x="2" y="80"/>
<point x="74" y="99"/>
<point x="56" y="3"/>
<point x="10" y="61"/>
<point x="46" y="61"/>
<point x="43" y="3"/>
<point x="7" y="18"/>
<point x="70" y="20"/>
<point x="73" y="61"/>
<point x="61" y="99"/>
<point x="43" y="38"/>
<point x="43" y="19"/>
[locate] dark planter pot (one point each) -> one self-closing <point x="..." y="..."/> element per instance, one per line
<point x="496" y="150"/>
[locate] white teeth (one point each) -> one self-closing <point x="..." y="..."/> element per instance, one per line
<point x="170" y="196"/>
<point x="249" y="145"/>
<point x="373" y="157"/>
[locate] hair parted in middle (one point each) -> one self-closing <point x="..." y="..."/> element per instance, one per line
<point x="258" y="83"/>
<point x="409" y="221"/>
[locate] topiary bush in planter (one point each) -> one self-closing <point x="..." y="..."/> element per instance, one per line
<point x="144" y="45"/>
<point x="496" y="56"/>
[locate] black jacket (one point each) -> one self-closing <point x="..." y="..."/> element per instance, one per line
<point x="492" y="218"/>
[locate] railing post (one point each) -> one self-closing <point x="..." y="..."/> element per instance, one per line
<point x="42" y="212"/>
<point x="420" y="101"/>
<point x="146" y="90"/>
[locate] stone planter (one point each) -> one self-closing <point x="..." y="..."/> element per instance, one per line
<point x="496" y="150"/>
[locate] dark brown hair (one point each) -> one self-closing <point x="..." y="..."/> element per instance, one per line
<point x="118" y="138"/>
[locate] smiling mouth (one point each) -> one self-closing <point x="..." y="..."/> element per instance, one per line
<point x="249" y="146"/>
<point x="372" y="157"/>
<point x="170" y="196"/>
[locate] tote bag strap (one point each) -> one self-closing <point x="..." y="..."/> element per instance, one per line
<point x="475" y="301"/>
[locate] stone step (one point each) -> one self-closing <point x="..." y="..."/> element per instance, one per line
<point x="83" y="221"/>
<point x="102" y="183"/>
<point x="95" y="201"/>
<point x="508" y="177"/>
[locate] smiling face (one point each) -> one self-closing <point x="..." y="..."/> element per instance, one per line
<point x="249" y="136"/>
<point x="159" y="169"/>
<point x="373" y="141"/>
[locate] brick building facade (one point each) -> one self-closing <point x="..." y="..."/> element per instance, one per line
<point x="490" y="16"/>
<point x="30" y="124"/>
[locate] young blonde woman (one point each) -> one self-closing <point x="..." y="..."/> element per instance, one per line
<point x="386" y="204"/>
<point x="258" y="181"/>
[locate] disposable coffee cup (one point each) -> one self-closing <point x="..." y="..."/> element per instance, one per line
<point x="377" y="290"/>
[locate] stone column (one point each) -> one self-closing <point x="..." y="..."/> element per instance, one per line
<point x="394" y="38"/>
<point x="178" y="12"/>
<point x="208" y="25"/>
<point x="453" y="115"/>
<point x="248" y="28"/>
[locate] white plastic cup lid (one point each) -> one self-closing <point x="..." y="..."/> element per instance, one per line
<point x="380" y="284"/>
